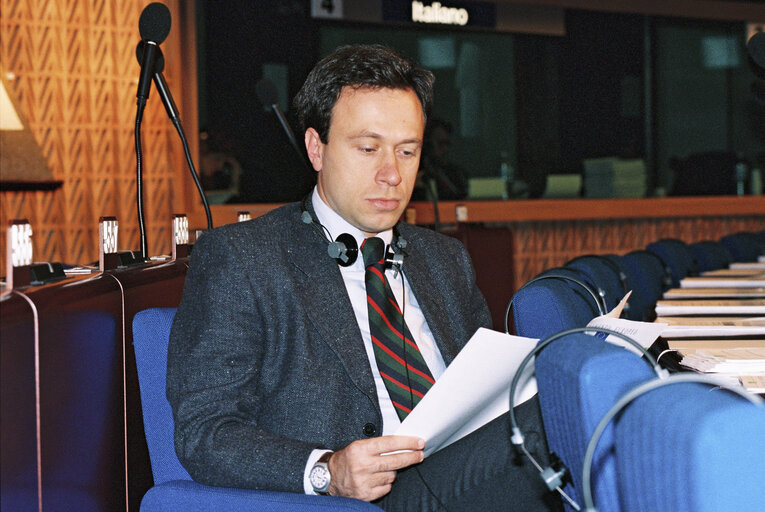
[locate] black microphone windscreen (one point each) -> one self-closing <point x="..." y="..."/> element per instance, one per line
<point x="266" y="91"/>
<point x="154" y="23"/>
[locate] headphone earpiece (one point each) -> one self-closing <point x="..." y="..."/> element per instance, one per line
<point x="344" y="250"/>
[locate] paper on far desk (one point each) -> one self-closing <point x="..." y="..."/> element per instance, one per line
<point x="474" y="389"/>
<point x="645" y="333"/>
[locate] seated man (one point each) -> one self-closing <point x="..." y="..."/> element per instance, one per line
<point x="286" y="366"/>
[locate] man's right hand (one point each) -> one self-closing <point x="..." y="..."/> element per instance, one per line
<point x="361" y="471"/>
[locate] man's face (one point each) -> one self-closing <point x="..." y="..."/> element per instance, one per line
<point x="368" y="166"/>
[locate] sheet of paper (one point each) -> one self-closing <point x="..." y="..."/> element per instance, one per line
<point x="645" y="333"/>
<point x="474" y="389"/>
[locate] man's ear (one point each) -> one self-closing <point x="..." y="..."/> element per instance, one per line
<point x="314" y="147"/>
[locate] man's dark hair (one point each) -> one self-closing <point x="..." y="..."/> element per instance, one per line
<point x="357" y="66"/>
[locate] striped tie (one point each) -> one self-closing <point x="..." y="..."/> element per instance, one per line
<point x="406" y="375"/>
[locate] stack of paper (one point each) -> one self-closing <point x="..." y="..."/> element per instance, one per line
<point x="755" y="265"/>
<point x="747" y="364"/>
<point x="614" y="177"/>
<point x="715" y="293"/>
<point x="723" y="282"/>
<point x="714" y="326"/>
<point x="711" y="307"/>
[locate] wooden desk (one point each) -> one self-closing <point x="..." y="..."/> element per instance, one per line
<point x="72" y="424"/>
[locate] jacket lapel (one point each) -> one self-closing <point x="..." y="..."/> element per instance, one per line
<point x="323" y="293"/>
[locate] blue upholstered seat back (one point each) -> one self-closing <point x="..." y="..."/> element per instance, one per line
<point x="744" y="246"/>
<point x="606" y="275"/>
<point x="546" y="306"/>
<point x="648" y="282"/>
<point x="689" y="448"/>
<point x="151" y="334"/>
<point x="579" y="378"/>
<point x="677" y="255"/>
<point x="711" y="255"/>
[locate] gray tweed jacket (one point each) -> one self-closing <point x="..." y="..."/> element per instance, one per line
<point x="266" y="361"/>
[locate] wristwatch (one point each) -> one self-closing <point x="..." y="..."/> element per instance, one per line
<point x="319" y="475"/>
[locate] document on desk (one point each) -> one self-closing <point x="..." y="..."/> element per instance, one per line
<point x="712" y="326"/>
<point x="681" y="307"/>
<point x="715" y="293"/>
<point x="722" y="282"/>
<point x="474" y="389"/>
<point x="645" y="333"/>
<point x="752" y="265"/>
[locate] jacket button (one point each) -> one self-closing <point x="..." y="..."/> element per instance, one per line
<point x="369" y="430"/>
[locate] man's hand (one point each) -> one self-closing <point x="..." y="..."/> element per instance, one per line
<point x="361" y="471"/>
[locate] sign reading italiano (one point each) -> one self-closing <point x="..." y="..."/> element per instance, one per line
<point x="445" y="13"/>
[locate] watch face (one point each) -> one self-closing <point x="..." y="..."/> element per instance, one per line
<point x="319" y="477"/>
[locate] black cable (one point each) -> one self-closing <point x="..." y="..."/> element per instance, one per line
<point x="194" y="175"/>
<point x="139" y="176"/>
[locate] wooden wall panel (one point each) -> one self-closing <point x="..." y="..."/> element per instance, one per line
<point x="71" y="65"/>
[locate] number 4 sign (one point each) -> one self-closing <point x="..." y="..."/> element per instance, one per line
<point x="327" y="9"/>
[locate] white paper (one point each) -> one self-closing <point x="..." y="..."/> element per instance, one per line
<point x="721" y="282"/>
<point x="711" y="327"/>
<point x="474" y="389"/>
<point x="645" y="333"/>
<point x="711" y="307"/>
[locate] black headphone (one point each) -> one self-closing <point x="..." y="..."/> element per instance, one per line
<point x="555" y="474"/>
<point x="344" y="250"/>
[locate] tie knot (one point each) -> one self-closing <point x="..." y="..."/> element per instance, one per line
<point x="372" y="250"/>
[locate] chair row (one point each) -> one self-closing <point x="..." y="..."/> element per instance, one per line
<point x="682" y="447"/>
<point x="590" y="285"/>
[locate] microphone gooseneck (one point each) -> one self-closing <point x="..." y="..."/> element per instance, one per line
<point x="269" y="97"/>
<point x="154" y="26"/>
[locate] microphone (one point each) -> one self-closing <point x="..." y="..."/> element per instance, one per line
<point x="159" y="81"/>
<point x="269" y="97"/>
<point x="172" y="113"/>
<point x="154" y="26"/>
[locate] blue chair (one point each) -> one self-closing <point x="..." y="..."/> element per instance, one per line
<point x="174" y="490"/>
<point x="711" y="255"/>
<point x="678" y="257"/>
<point x="548" y="304"/>
<point x="579" y="378"/>
<point x="607" y="277"/>
<point x="650" y="279"/>
<point x="689" y="448"/>
<point x="629" y="281"/>
<point x="743" y="246"/>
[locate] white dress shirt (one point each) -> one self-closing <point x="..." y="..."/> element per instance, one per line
<point x="353" y="277"/>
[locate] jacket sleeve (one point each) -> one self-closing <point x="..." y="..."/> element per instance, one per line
<point x="215" y="368"/>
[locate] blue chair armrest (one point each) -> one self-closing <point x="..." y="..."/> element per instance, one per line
<point x="189" y="496"/>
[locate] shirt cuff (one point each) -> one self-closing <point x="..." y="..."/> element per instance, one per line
<point x="307" y="487"/>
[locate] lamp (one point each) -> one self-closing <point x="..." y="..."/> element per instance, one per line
<point x="22" y="164"/>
